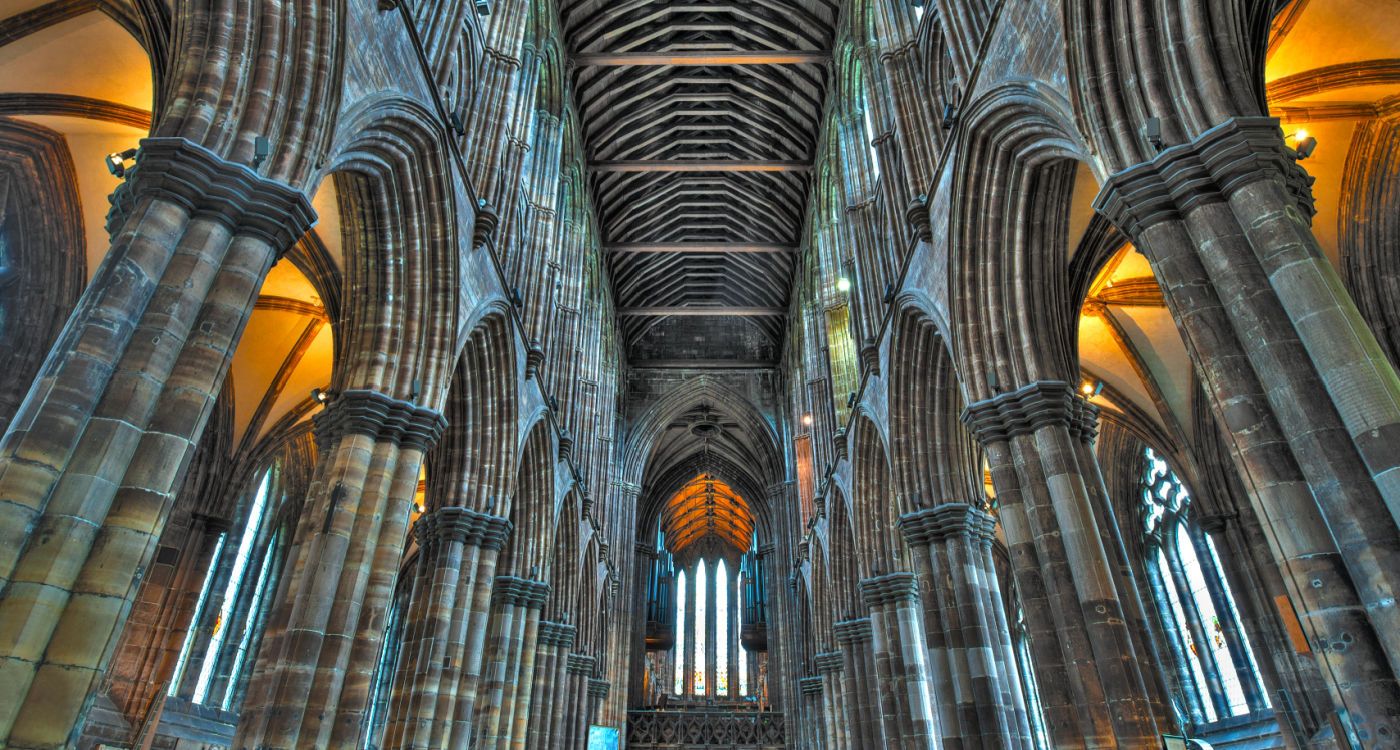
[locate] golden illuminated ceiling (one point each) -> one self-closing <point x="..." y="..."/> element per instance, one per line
<point x="707" y="507"/>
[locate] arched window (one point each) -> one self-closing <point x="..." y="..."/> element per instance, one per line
<point x="743" y="653"/>
<point x="700" y="625"/>
<point x="870" y="136"/>
<point x="679" y="687"/>
<point x="708" y="658"/>
<point x="1216" y="665"/>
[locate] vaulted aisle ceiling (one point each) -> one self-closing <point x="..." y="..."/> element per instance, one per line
<point x="701" y="122"/>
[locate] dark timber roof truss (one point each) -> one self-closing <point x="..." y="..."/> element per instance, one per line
<point x="701" y="121"/>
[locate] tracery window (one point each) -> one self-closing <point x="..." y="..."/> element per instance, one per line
<point x="707" y="653"/>
<point x="1216" y="664"/>
<point x="743" y="653"/>
<point x="230" y="612"/>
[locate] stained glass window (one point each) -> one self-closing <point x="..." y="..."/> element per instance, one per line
<point x="679" y="686"/>
<point x="743" y="653"/>
<point x="1186" y="581"/>
<point x="721" y="628"/>
<point x="699" y="680"/>
<point x="231" y="590"/>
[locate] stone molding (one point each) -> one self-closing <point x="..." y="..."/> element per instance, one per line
<point x="520" y="592"/>
<point x="484" y="224"/>
<point x="641" y="549"/>
<point x="598" y="688"/>
<point x="464" y="525"/>
<point x="1209" y="169"/>
<point x="888" y="589"/>
<point x="560" y="634"/>
<point x="1030" y="407"/>
<point x="935" y="524"/>
<point x="829" y="662"/>
<point x="858" y="630"/>
<point x="207" y="185"/>
<point x="810" y="685"/>
<point x="380" y="417"/>
<point x="916" y="213"/>
<point x="580" y="664"/>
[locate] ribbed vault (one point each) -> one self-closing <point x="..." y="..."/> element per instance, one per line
<point x="701" y="123"/>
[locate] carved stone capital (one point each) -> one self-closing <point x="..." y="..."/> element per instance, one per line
<point x="534" y="357"/>
<point x="1215" y="522"/>
<point x="829" y="662"/>
<point x="1030" y="407"/>
<point x="207" y="185"/>
<point x="1208" y="169"/>
<point x="380" y="417"/>
<point x="520" y="592"/>
<point x="598" y="689"/>
<point x="853" y="631"/>
<point x="580" y="664"/>
<point x="838" y="441"/>
<point x="887" y="589"/>
<point x="810" y="685"/>
<point x="466" y="526"/>
<point x="560" y="634"/>
<point x="870" y="357"/>
<point x="566" y="446"/>
<point x="641" y="549"/>
<point x="930" y="525"/>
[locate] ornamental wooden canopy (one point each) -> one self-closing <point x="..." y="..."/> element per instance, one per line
<point x="701" y="122"/>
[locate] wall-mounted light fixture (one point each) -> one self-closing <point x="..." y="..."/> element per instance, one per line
<point x="1091" y="388"/>
<point x="117" y="162"/>
<point x="1303" y="144"/>
<point x="843" y="285"/>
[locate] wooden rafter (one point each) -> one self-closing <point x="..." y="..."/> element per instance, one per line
<point x="776" y="57"/>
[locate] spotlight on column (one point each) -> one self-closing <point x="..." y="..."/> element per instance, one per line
<point x="322" y="397"/>
<point x="1091" y="388"/>
<point x="843" y="285"/>
<point x="807" y="420"/>
<point x="1303" y="144"/>
<point x="262" y="148"/>
<point x="1152" y="132"/>
<point x="117" y="162"/>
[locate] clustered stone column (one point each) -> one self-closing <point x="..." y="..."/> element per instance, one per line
<point x="312" y="685"/>
<point x="860" y="688"/>
<point x="504" y="710"/>
<point x="1296" y="379"/>
<point x="901" y="660"/>
<point x="435" y="687"/>
<point x="92" y="461"/>
<point x="551" y="702"/>
<point x="811" y="724"/>
<point x="1092" y="689"/>
<point x="976" y="678"/>
<point x="580" y="668"/>
<point x="836" y="720"/>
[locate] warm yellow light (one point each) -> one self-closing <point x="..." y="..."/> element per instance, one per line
<point x="807" y="419"/>
<point x="843" y="284"/>
<point x="1300" y="136"/>
<point x="1087" y="389"/>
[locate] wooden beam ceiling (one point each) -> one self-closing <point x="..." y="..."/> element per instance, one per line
<point x="719" y="248"/>
<point x="699" y="165"/>
<point x="650" y="59"/>
<point x="700" y="311"/>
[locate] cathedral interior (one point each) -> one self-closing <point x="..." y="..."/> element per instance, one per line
<point x="720" y="374"/>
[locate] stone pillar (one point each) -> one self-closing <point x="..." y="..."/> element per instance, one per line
<point x="580" y="669"/>
<point x="505" y="702"/>
<point x="837" y="721"/>
<point x="92" y="460"/>
<point x="979" y="683"/>
<point x="1092" y="690"/>
<point x="162" y="615"/>
<point x="813" y="714"/>
<point x="901" y="660"/>
<point x="597" y="691"/>
<point x="1307" y="399"/>
<point x="457" y="551"/>
<point x="559" y="704"/>
<point x="317" y="662"/>
<point x="555" y="640"/>
<point x="861" y="686"/>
